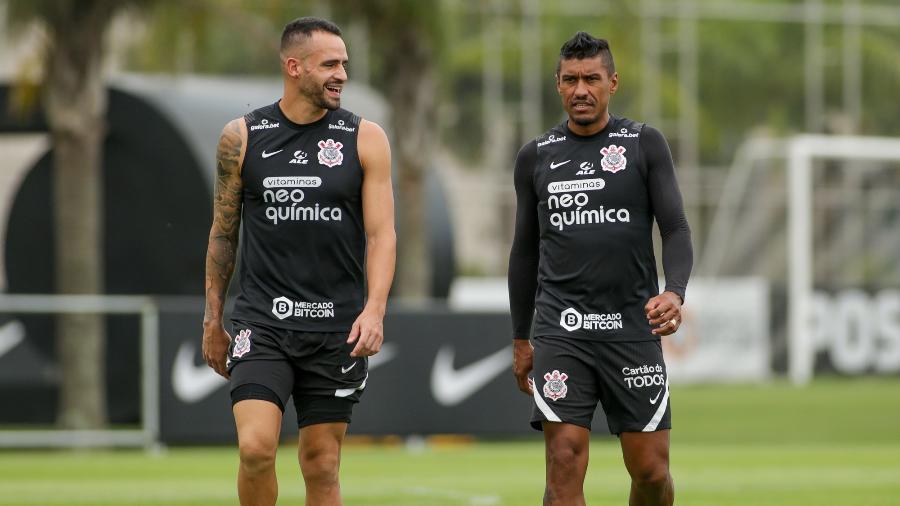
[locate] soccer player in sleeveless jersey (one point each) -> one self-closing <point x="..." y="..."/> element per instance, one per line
<point x="311" y="183"/>
<point x="582" y="267"/>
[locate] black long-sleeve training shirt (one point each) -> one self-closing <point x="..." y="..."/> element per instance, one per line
<point x="582" y="262"/>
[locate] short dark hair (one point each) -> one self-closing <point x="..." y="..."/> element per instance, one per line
<point x="301" y="29"/>
<point x="584" y="45"/>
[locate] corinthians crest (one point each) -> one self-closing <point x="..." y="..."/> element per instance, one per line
<point x="241" y="344"/>
<point x="613" y="158"/>
<point x="555" y="387"/>
<point x="330" y="153"/>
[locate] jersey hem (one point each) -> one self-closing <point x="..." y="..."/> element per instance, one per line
<point x="298" y="328"/>
<point x="643" y="339"/>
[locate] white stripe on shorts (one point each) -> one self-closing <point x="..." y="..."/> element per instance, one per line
<point x="650" y="427"/>
<point x="542" y="404"/>
<point x="345" y="392"/>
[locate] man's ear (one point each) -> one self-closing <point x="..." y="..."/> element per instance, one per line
<point x="292" y="66"/>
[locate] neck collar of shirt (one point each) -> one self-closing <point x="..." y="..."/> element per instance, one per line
<point x="586" y="138"/>
<point x="300" y="126"/>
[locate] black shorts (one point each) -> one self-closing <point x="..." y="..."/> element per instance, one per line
<point x="314" y="367"/>
<point x="629" y="379"/>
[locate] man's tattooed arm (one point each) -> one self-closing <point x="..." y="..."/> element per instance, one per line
<point x="223" y="236"/>
<point x="223" y="241"/>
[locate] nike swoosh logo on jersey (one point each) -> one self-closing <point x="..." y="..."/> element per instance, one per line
<point x="452" y="386"/>
<point x="653" y="400"/>
<point x="190" y="382"/>
<point x="554" y="165"/>
<point x="345" y="370"/>
<point x="266" y="155"/>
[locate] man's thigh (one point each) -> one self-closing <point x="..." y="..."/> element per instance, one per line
<point x="564" y="382"/>
<point x="258" y="423"/>
<point x="322" y="438"/>
<point x="643" y="450"/>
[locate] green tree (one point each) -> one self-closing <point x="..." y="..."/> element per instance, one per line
<point x="405" y="37"/>
<point x="74" y="100"/>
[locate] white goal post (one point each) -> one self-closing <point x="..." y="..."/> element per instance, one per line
<point x="802" y="151"/>
<point x="148" y="435"/>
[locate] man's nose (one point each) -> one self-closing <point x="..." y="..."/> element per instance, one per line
<point x="342" y="73"/>
<point x="581" y="88"/>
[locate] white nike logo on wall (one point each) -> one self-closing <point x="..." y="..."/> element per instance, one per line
<point x="387" y="353"/>
<point x="11" y="335"/>
<point x="191" y="382"/>
<point x="554" y="165"/>
<point x="452" y="386"/>
<point x="266" y="155"/>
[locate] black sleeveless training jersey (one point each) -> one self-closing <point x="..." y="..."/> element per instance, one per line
<point x="597" y="268"/>
<point x="303" y="244"/>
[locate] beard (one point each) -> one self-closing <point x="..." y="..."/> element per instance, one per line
<point x="316" y="95"/>
<point x="585" y="120"/>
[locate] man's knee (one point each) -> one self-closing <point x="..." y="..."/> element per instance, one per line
<point x="320" y="465"/>
<point x="565" y="456"/>
<point x="257" y="455"/>
<point x="651" y="474"/>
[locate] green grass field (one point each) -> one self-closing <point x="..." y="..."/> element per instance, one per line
<point x="834" y="443"/>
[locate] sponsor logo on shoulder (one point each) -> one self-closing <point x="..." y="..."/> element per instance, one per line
<point x="624" y="133"/>
<point x="555" y="387"/>
<point x="571" y="320"/>
<point x="613" y="158"/>
<point x="282" y="307"/>
<point x="330" y="153"/>
<point x="264" y="125"/>
<point x="341" y="126"/>
<point x="551" y="139"/>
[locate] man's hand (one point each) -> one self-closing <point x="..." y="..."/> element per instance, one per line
<point x="367" y="332"/>
<point x="523" y="361"/>
<point x="664" y="313"/>
<point x="215" y="347"/>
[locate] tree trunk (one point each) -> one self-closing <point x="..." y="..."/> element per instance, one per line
<point x="75" y="105"/>
<point x="413" y="123"/>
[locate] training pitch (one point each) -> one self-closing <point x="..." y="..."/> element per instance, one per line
<point x="836" y="442"/>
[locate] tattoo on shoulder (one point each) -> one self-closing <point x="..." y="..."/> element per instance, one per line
<point x="228" y="180"/>
<point x="228" y="153"/>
